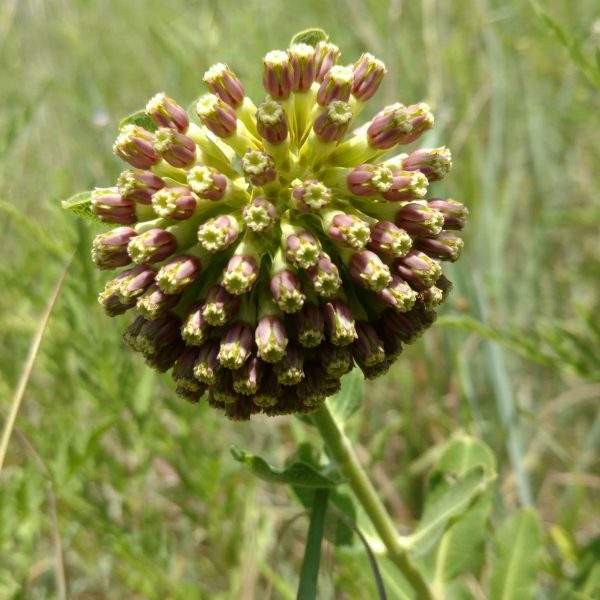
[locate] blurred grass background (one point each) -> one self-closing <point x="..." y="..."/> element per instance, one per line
<point x="135" y="489"/>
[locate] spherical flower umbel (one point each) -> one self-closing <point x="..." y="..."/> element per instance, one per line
<point x="277" y="245"/>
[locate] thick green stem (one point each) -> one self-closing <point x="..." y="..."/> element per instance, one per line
<point x="341" y="450"/>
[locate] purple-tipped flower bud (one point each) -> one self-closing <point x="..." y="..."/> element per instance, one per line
<point x="219" y="306"/>
<point x="370" y="180"/>
<point x="259" y="215"/>
<point x="418" y="269"/>
<point x="195" y="326"/>
<point x="218" y="233"/>
<point x="399" y="295"/>
<point x="420" y="220"/>
<point x="271" y="122"/>
<point x="369" y="270"/>
<point x="154" y="303"/>
<point x="183" y="372"/>
<point x="446" y="246"/>
<point x="259" y="167"/>
<point x="336" y="360"/>
<point x="302" y="249"/>
<point x="339" y="322"/>
<point x="177" y="203"/>
<point x="109" y="250"/>
<point x="302" y="60"/>
<point x="236" y="346"/>
<point x="111" y="301"/>
<point x="399" y="124"/>
<point x="287" y="291"/>
<point x="269" y="391"/>
<point x="336" y="85"/>
<point x="407" y="185"/>
<point x="247" y="378"/>
<point x="240" y="274"/>
<point x="139" y="185"/>
<point x="207" y="182"/>
<point x="326" y="56"/>
<point x="333" y="122"/>
<point x="134" y="145"/>
<point x="455" y="213"/>
<point x="309" y="325"/>
<point x="270" y="339"/>
<point x="165" y="112"/>
<point x="223" y="82"/>
<point x="421" y="119"/>
<point x="176" y="148"/>
<point x="154" y="245"/>
<point x="368" y="74"/>
<point x="131" y="334"/>
<point x="368" y="348"/>
<point x="277" y="74"/>
<point x="325" y="277"/>
<point x="387" y="238"/>
<point x="177" y="274"/>
<point x="133" y="282"/>
<point x="216" y="115"/>
<point x="207" y="365"/>
<point x="289" y="369"/>
<point x="311" y="195"/>
<point x="154" y="335"/>
<point x="434" y="163"/>
<point x="111" y="207"/>
<point x="349" y="230"/>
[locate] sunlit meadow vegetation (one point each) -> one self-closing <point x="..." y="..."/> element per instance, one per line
<point x="115" y="488"/>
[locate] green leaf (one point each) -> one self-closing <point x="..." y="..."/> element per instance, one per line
<point x="349" y="399"/>
<point x="311" y="37"/>
<point x="462" y="454"/>
<point x="139" y="118"/>
<point x="517" y="543"/>
<point x="443" y="508"/>
<point x="81" y="206"/>
<point x="298" y="473"/>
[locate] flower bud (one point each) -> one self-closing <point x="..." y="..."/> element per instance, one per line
<point x="236" y="346"/>
<point x="368" y="74"/>
<point x="420" y="220"/>
<point x="336" y="85"/>
<point x="139" y="185"/>
<point x="133" y="282"/>
<point x="302" y="61"/>
<point x="339" y="323"/>
<point x="407" y="185"/>
<point x="216" y="115"/>
<point x="153" y="336"/>
<point x="112" y="302"/>
<point x="326" y="56"/>
<point x="310" y="195"/>
<point x="370" y="180"/>
<point x="434" y="163"/>
<point x="154" y="245"/>
<point x="446" y="246"/>
<point x="218" y="233"/>
<point x="109" y="250"/>
<point x="154" y="303"/>
<point x="247" y="378"/>
<point x="165" y="112"/>
<point x="336" y="360"/>
<point x="325" y="277"/>
<point x="223" y="82"/>
<point x="219" y="306"/>
<point x="269" y="391"/>
<point x="421" y="119"/>
<point x="259" y="215"/>
<point x="368" y="348"/>
<point x="348" y="230"/>
<point x="134" y="145"/>
<point x="240" y="274"/>
<point x="176" y="148"/>
<point x="165" y="356"/>
<point x="224" y="394"/>
<point x="287" y="291"/>
<point x="270" y="339"/>
<point x="387" y="238"/>
<point x="207" y="365"/>
<point x="454" y="212"/>
<point x="177" y="203"/>
<point x="111" y="207"/>
<point x="369" y="270"/>
<point x="177" y="274"/>
<point x="207" y="182"/>
<point x="418" y="269"/>
<point x="398" y="294"/>
<point x="302" y="249"/>
<point x="289" y="369"/>
<point x="399" y="124"/>
<point x="131" y="334"/>
<point x="277" y="74"/>
<point x="271" y="122"/>
<point x="259" y="167"/>
<point x="332" y="123"/>
<point x="183" y="372"/>
<point x="309" y="325"/>
<point x="195" y="326"/>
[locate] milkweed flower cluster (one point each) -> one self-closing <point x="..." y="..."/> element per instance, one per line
<point x="270" y="248"/>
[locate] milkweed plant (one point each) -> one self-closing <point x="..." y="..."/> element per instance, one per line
<point x="269" y="251"/>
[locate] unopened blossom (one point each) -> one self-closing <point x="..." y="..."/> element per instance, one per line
<point x="268" y="248"/>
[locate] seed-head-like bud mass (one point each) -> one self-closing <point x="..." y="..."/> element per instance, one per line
<point x="275" y="246"/>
